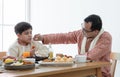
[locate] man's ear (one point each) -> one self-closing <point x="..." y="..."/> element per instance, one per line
<point x="18" y="35"/>
<point x="96" y="31"/>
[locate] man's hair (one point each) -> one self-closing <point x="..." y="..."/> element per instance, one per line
<point x="21" y="27"/>
<point x="95" y="20"/>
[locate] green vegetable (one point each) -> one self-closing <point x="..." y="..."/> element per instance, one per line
<point x="20" y="60"/>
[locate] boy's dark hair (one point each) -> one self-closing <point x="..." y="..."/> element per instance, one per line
<point x="21" y="27"/>
<point x="96" y="22"/>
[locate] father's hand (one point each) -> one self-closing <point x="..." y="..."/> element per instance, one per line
<point x="37" y="37"/>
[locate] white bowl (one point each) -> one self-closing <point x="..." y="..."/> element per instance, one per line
<point x="80" y="58"/>
<point x="29" y="60"/>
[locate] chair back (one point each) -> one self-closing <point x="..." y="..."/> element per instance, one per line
<point x="2" y="53"/>
<point x="114" y="57"/>
<point x="117" y="70"/>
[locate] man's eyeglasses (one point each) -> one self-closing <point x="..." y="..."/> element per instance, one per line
<point x="84" y="30"/>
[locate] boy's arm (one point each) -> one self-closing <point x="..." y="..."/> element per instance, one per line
<point x="41" y="50"/>
<point x="12" y="52"/>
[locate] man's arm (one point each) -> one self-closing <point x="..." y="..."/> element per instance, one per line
<point x="61" y="38"/>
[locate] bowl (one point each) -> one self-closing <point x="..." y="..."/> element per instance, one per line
<point x="29" y="60"/>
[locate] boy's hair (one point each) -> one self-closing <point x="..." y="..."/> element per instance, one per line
<point x="21" y="27"/>
<point x="96" y="22"/>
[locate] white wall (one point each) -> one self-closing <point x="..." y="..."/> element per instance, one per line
<point x="54" y="16"/>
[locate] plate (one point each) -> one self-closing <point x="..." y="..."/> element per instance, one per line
<point x="56" y="63"/>
<point x="83" y="62"/>
<point x="21" y="67"/>
<point x="38" y="58"/>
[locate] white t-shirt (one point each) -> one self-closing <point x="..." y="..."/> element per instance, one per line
<point x="16" y="50"/>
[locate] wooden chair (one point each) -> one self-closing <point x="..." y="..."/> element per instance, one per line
<point x="2" y="53"/>
<point x="117" y="69"/>
<point x="114" y="57"/>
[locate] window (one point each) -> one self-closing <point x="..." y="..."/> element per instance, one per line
<point x="11" y="12"/>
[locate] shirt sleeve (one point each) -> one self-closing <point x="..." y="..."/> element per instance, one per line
<point x="61" y="38"/>
<point x="13" y="52"/>
<point x="41" y="50"/>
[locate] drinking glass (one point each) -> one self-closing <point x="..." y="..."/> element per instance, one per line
<point x="26" y="54"/>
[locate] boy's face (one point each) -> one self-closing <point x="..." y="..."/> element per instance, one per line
<point x="25" y="37"/>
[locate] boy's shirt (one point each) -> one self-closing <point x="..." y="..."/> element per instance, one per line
<point x="16" y="50"/>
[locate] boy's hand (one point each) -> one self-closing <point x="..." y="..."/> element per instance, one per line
<point x="32" y="51"/>
<point x="33" y="47"/>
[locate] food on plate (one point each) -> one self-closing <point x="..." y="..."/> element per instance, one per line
<point x="17" y="63"/>
<point x="21" y="62"/>
<point x="9" y="60"/>
<point x="68" y="56"/>
<point x="6" y="57"/>
<point x="27" y="62"/>
<point x="63" y="59"/>
<point x="59" y="54"/>
<point x="69" y="59"/>
<point x="59" y="58"/>
<point x="47" y="60"/>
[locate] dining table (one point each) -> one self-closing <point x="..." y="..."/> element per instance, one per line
<point x="75" y="70"/>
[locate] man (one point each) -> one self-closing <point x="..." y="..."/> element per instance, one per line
<point x="91" y="39"/>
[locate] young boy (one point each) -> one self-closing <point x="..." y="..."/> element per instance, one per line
<point x="24" y="43"/>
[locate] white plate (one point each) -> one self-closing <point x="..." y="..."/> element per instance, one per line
<point x="56" y="63"/>
<point x="21" y="67"/>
